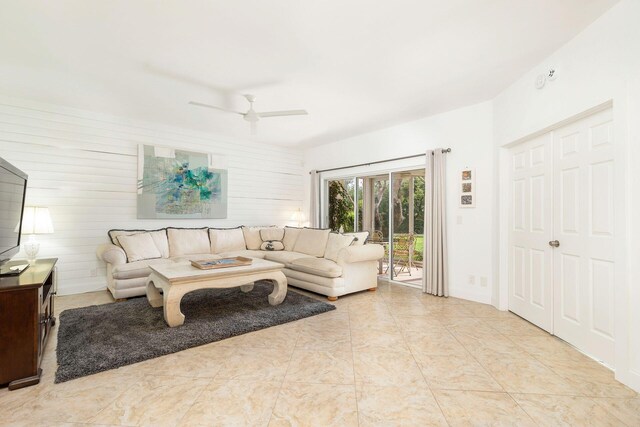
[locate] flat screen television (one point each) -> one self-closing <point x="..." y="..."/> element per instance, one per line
<point x="13" y="186"/>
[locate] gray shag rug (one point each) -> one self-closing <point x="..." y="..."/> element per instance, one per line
<point x="102" y="337"/>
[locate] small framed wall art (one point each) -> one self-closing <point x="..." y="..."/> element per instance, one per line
<point x="467" y="187"/>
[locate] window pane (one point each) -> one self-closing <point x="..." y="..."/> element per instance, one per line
<point x="341" y="204"/>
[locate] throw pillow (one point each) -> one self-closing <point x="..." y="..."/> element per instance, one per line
<point x="272" y="233"/>
<point x="312" y="241"/>
<point x="290" y="237"/>
<point x="159" y="238"/>
<point x="272" y="245"/>
<point x="252" y="237"/>
<point x="335" y="242"/>
<point x="139" y="246"/>
<point x="188" y="241"/>
<point x="361" y="237"/>
<point x="226" y="240"/>
<point x="272" y="239"/>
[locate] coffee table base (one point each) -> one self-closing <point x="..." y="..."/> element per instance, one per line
<point x="172" y="293"/>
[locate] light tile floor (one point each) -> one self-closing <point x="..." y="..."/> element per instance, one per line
<point x="391" y="357"/>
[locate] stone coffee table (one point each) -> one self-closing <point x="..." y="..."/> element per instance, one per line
<point x="178" y="279"/>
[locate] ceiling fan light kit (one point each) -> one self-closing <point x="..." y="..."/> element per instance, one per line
<point x="251" y="115"/>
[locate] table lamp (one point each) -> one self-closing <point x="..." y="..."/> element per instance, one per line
<point x="35" y="220"/>
<point x="298" y="216"/>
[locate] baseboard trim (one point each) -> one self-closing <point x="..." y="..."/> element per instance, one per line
<point x="470" y="296"/>
<point x="630" y="378"/>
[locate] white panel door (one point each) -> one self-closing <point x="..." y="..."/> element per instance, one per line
<point x="583" y="226"/>
<point x="531" y="229"/>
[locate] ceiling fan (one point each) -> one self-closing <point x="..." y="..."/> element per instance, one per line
<point x="251" y="115"/>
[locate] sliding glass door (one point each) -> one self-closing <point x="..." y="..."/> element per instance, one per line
<point x="407" y="226"/>
<point x="391" y="207"/>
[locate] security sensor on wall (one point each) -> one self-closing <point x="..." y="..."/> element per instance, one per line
<point x="550" y="75"/>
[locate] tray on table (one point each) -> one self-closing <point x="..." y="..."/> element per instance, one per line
<point x="212" y="264"/>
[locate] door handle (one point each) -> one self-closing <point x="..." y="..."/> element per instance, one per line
<point x="554" y="243"/>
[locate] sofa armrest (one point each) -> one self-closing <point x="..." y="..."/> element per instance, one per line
<point x="351" y="254"/>
<point x="112" y="254"/>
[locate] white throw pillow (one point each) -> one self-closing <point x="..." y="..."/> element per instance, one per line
<point x="188" y="241"/>
<point x="272" y="245"/>
<point x="139" y="246"/>
<point x="290" y="236"/>
<point x="272" y="234"/>
<point x="335" y="243"/>
<point x="360" y="238"/>
<point x="252" y="237"/>
<point x="312" y="241"/>
<point x="226" y="240"/>
<point x="159" y="238"/>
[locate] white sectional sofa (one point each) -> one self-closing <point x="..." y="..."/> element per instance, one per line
<point x="317" y="260"/>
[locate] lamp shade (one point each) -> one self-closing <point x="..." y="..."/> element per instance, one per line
<point x="36" y="220"/>
<point x="298" y="216"/>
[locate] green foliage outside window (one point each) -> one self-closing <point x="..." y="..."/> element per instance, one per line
<point x="341" y="212"/>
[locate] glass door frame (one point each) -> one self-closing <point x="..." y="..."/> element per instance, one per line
<point x="364" y="174"/>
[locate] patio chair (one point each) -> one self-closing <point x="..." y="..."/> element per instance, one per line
<point x="403" y="247"/>
<point x="377" y="236"/>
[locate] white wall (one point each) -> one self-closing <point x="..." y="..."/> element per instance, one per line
<point x="468" y="132"/>
<point x="83" y="166"/>
<point x="601" y="64"/>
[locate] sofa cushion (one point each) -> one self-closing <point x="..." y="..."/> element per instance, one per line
<point x="245" y="253"/>
<point x="361" y="238"/>
<point x="312" y="241"/>
<point x="134" y="270"/>
<point x="139" y="246"/>
<point x="294" y="278"/>
<point x="226" y="239"/>
<point x="317" y="266"/>
<point x="159" y="238"/>
<point x="187" y="241"/>
<point x="283" y="257"/>
<point x="252" y="237"/>
<point x="195" y="257"/>
<point x="335" y="242"/>
<point x="290" y="236"/>
<point x="272" y="234"/>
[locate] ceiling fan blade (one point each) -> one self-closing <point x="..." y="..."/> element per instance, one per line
<point x="283" y="113"/>
<point x="200" y="104"/>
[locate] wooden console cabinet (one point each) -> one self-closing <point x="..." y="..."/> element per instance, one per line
<point x="26" y="319"/>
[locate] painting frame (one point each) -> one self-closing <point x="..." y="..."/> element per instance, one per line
<point x="175" y="183"/>
<point x="467" y="188"/>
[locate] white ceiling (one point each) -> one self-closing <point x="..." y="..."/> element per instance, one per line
<point x="355" y="65"/>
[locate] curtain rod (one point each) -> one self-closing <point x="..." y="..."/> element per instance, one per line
<point x="444" y="150"/>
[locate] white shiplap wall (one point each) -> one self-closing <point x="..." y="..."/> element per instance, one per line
<point x="83" y="166"/>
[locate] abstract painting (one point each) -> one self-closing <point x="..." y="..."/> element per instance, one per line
<point x="180" y="184"/>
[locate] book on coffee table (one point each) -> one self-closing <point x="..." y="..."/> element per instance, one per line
<point x="209" y="264"/>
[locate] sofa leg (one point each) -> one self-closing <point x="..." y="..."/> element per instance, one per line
<point x="120" y="299"/>
<point x="332" y="299"/>
<point x="373" y="289"/>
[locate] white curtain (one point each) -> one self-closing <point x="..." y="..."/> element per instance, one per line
<point x="435" y="272"/>
<point x="314" y="197"/>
